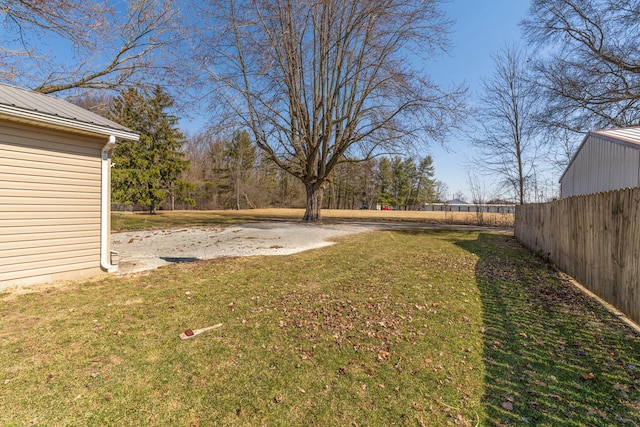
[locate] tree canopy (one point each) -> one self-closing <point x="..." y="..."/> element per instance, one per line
<point x="589" y="61"/>
<point x="321" y="82"/>
<point x="60" y="45"/>
<point x="507" y="140"/>
<point x="148" y="170"/>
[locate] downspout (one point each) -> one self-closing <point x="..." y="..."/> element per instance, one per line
<point x="105" y="235"/>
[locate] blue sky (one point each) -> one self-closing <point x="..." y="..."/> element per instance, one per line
<point x="481" y="28"/>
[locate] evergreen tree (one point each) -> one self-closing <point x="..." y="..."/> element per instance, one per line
<point x="425" y="183"/>
<point x="403" y="172"/>
<point x="385" y="177"/>
<point x="148" y="170"/>
<point x="405" y="184"/>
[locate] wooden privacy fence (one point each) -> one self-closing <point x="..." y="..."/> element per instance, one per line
<point x="594" y="238"/>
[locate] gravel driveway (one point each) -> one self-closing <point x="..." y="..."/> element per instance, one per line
<point x="145" y="250"/>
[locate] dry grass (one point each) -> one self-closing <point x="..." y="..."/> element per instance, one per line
<point x="138" y="221"/>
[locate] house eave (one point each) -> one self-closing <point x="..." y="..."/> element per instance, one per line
<point x="28" y="116"/>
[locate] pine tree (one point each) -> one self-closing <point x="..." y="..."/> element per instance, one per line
<point x="426" y="183"/>
<point x="148" y="170"/>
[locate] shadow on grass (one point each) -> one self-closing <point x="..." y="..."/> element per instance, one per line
<point x="179" y="260"/>
<point x="552" y="355"/>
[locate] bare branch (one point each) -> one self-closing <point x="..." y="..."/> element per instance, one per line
<point x="590" y="66"/>
<point x="109" y="47"/>
<point x="321" y="81"/>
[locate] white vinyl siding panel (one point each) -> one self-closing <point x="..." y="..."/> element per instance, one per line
<point x="49" y="202"/>
<point x="602" y="165"/>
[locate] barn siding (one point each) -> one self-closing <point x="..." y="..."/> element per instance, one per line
<point x="49" y="205"/>
<point x="601" y="165"/>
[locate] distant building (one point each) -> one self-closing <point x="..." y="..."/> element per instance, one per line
<point x="460" y="206"/>
<point x="606" y="160"/>
<point x="455" y="202"/>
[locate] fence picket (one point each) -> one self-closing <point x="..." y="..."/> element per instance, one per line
<point x="593" y="238"/>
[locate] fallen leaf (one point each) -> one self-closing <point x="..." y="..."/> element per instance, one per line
<point x="460" y="420"/>
<point x="417" y="407"/>
<point x="507" y="405"/>
<point x="383" y="355"/>
<point x="588" y="376"/>
<point x="278" y="398"/>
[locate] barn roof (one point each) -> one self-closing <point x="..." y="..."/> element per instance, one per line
<point x="630" y="134"/>
<point x="25" y="105"/>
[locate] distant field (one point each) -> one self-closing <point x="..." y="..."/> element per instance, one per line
<point x="128" y="221"/>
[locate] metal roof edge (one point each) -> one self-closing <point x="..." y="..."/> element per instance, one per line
<point x="67" y="123"/>
<point x="618" y="139"/>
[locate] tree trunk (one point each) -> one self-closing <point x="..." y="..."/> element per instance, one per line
<point x="315" y="191"/>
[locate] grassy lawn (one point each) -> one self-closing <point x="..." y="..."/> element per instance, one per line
<point x="416" y="327"/>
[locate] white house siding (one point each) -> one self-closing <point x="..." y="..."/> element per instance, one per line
<point x="49" y="205"/>
<point x="602" y="164"/>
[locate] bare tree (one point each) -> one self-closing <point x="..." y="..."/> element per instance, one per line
<point x="441" y="189"/>
<point x="60" y="45"/>
<point x="459" y="195"/>
<point x="241" y="155"/>
<point x="506" y="139"/>
<point x="322" y="81"/>
<point x="590" y="66"/>
<point x="478" y="190"/>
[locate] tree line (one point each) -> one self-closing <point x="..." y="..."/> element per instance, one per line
<point x="233" y="173"/>
<point x="325" y="88"/>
